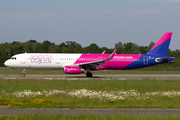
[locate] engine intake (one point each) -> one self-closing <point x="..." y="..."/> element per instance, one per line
<point x="73" y="70"/>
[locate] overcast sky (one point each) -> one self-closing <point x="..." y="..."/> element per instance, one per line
<point x="104" y="22"/>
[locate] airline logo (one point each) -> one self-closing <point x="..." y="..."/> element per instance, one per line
<point x="41" y="59"/>
<point x="123" y="57"/>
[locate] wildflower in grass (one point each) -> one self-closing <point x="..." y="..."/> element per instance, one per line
<point x="5" y="101"/>
<point x="44" y="102"/>
<point x="169" y="94"/>
<point x="102" y="95"/>
<point x="15" y="103"/>
<point x="3" y="92"/>
<point x="112" y="96"/>
<point x="27" y="93"/>
<point x="38" y="101"/>
<point x="53" y="92"/>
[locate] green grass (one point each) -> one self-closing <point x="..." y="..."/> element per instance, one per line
<point x="9" y="86"/>
<point x="8" y="71"/>
<point x="145" y="85"/>
<point x="84" y="117"/>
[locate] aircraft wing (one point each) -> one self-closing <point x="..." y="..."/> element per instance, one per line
<point x="95" y="64"/>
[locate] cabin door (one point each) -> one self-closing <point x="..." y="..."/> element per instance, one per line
<point x="145" y="60"/>
<point x="57" y="59"/>
<point x="23" y="59"/>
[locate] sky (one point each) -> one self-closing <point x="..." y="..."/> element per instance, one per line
<point x="104" y="22"/>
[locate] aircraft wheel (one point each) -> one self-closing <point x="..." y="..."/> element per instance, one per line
<point x="89" y="74"/>
<point x="23" y="75"/>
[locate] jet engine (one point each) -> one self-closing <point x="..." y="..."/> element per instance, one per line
<point x="73" y="70"/>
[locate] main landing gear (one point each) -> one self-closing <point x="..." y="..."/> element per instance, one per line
<point x="88" y="74"/>
<point x="24" y="71"/>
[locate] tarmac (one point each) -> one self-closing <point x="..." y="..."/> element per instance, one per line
<point x="101" y="112"/>
<point x="78" y="77"/>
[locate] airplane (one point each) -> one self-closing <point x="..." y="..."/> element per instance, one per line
<point x="79" y="63"/>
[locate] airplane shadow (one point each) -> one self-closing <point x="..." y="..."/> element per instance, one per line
<point x="84" y="77"/>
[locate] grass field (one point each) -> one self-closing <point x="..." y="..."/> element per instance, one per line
<point x="40" y="93"/>
<point x="92" y="93"/>
<point x="84" y="117"/>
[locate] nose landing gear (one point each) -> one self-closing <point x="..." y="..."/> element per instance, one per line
<point x="24" y="71"/>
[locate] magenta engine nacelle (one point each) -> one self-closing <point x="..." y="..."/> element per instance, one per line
<point x="73" y="70"/>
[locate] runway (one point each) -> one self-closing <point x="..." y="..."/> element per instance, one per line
<point x="78" y="77"/>
<point x="101" y="112"/>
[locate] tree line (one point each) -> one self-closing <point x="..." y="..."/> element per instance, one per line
<point x="32" y="46"/>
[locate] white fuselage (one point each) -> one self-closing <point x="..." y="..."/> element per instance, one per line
<point x="41" y="60"/>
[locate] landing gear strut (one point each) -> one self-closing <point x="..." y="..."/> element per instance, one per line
<point x="24" y="71"/>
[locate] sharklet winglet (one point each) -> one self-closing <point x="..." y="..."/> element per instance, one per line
<point x="104" y="52"/>
<point x="112" y="55"/>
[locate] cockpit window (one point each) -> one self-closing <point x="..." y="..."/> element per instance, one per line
<point x="13" y="58"/>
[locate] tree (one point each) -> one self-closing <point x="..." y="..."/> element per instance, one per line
<point x="135" y="49"/>
<point x="64" y="49"/>
<point x="177" y="54"/>
<point x="108" y="51"/>
<point x="73" y="47"/>
<point x="150" y="46"/>
<point x="143" y="49"/>
<point x="128" y="47"/>
<point x="30" y="46"/>
<point x="7" y="49"/>
<point x="120" y="47"/>
<point x="5" y="52"/>
<point x="62" y="44"/>
<point x="54" y="49"/>
<point x="46" y="44"/>
<point x="16" y="48"/>
<point x="93" y="48"/>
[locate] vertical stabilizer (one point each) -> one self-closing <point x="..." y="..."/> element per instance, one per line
<point x="162" y="45"/>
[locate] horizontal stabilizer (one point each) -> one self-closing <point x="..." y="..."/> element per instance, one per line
<point x="164" y="58"/>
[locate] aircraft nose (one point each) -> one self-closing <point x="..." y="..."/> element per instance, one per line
<point x="6" y="63"/>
